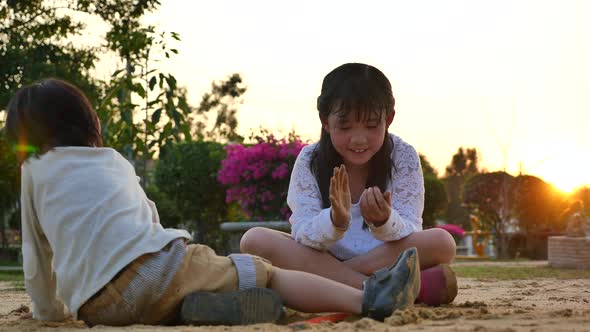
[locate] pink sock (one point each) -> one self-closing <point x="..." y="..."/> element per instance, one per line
<point x="434" y="287"/>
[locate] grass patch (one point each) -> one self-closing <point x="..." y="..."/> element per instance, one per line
<point x="16" y="279"/>
<point x="9" y="263"/>
<point x="19" y="285"/>
<point x="16" y="276"/>
<point x="518" y="272"/>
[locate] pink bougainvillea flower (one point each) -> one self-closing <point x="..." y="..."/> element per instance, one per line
<point x="257" y="176"/>
<point x="453" y="229"/>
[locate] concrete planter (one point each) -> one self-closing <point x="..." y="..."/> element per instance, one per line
<point x="237" y="229"/>
<point x="569" y="252"/>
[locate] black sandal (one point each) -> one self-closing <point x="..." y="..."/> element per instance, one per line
<point x="242" y="307"/>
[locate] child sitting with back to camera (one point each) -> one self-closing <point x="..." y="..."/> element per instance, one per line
<point x="357" y="196"/>
<point x="93" y="246"/>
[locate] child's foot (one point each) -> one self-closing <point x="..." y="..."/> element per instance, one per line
<point x="242" y="307"/>
<point x="438" y="285"/>
<point x="394" y="288"/>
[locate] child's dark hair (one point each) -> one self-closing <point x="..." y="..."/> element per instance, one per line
<point x="364" y="90"/>
<point x="51" y="113"/>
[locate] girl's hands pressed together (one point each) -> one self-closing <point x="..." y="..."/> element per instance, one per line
<point x="375" y="206"/>
<point x="340" y="198"/>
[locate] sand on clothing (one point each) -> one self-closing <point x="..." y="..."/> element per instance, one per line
<point x="544" y="304"/>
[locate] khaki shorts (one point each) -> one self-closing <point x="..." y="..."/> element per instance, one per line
<point x="201" y="270"/>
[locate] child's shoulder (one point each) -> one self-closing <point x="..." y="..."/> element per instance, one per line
<point x="76" y="154"/>
<point x="399" y="143"/>
<point x="402" y="150"/>
<point x="307" y="151"/>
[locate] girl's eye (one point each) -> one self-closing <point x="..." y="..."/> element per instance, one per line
<point x="344" y="128"/>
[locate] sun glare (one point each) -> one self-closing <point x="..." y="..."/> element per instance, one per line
<point x="566" y="172"/>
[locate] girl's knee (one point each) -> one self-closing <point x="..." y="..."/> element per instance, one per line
<point x="446" y="245"/>
<point x="253" y="241"/>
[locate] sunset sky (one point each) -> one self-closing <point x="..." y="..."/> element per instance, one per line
<point x="511" y="78"/>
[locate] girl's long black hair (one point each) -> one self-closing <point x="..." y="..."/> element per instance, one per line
<point x="364" y="90"/>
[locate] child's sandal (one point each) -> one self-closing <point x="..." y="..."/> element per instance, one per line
<point x="242" y="307"/>
<point x="394" y="288"/>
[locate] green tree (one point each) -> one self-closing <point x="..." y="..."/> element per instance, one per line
<point x="36" y="42"/>
<point x="435" y="194"/>
<point x="464" y="164"/>
<point x="145" y="110"/>
<point x="9" y="187"/>
<point x="427" y="168"/>
<point x="223" y="99"/>
<point x="435" y="200"/>
<point x="187" y="176"/>
<point x="537" y="204"/>
<point x="488" y="195"/>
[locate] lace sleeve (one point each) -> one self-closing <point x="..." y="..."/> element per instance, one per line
<point x="407" y="195"/>
<point x="310" y="224"/>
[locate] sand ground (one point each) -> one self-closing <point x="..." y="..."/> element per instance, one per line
<point x="544" y="304"/>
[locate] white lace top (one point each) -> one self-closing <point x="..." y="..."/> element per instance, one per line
<point x="311" y="225"/>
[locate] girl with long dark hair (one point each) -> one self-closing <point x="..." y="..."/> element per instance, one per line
<point x="357" y="196"/>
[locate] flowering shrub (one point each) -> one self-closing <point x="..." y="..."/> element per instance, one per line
<point x="257" y="176"/>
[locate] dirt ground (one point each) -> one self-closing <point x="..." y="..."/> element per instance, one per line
<point x="482" y="305"/>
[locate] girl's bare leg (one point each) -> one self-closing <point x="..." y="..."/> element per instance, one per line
<point x="284" y="252"/>
<point x="307" y="292"/>
<point x="435" y="246"/>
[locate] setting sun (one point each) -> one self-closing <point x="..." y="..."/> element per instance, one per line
<point x="566" y="171"/>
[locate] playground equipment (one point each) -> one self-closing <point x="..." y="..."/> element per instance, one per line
<point x="479" y="240"/>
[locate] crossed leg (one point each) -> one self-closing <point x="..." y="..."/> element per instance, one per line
<point x="435" y="246"/>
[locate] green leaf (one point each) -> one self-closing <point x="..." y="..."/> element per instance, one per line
<point x="117" y="72"/>
<point x="139" y="90"/>
<point x="153" y="82"/>
<point x="127" y="116"/>
<point x="161" y="77"/>
<point x="171" y="82"/>
<point x="187" y="133"/>
<point x="167" y="129"/>
<point x="156" y="115"/>
<point x="139" y="145"/>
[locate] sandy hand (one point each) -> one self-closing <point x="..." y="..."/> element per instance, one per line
<point x="375" y="206"/>
<point x="340" y="197"/>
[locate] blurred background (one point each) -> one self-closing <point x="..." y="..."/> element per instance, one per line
<point x="493" y="95"/>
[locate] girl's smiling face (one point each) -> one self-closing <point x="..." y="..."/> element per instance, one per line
<point x="357" y="136"/>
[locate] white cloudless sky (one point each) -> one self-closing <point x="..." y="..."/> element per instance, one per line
<point x="511" y="78"/>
